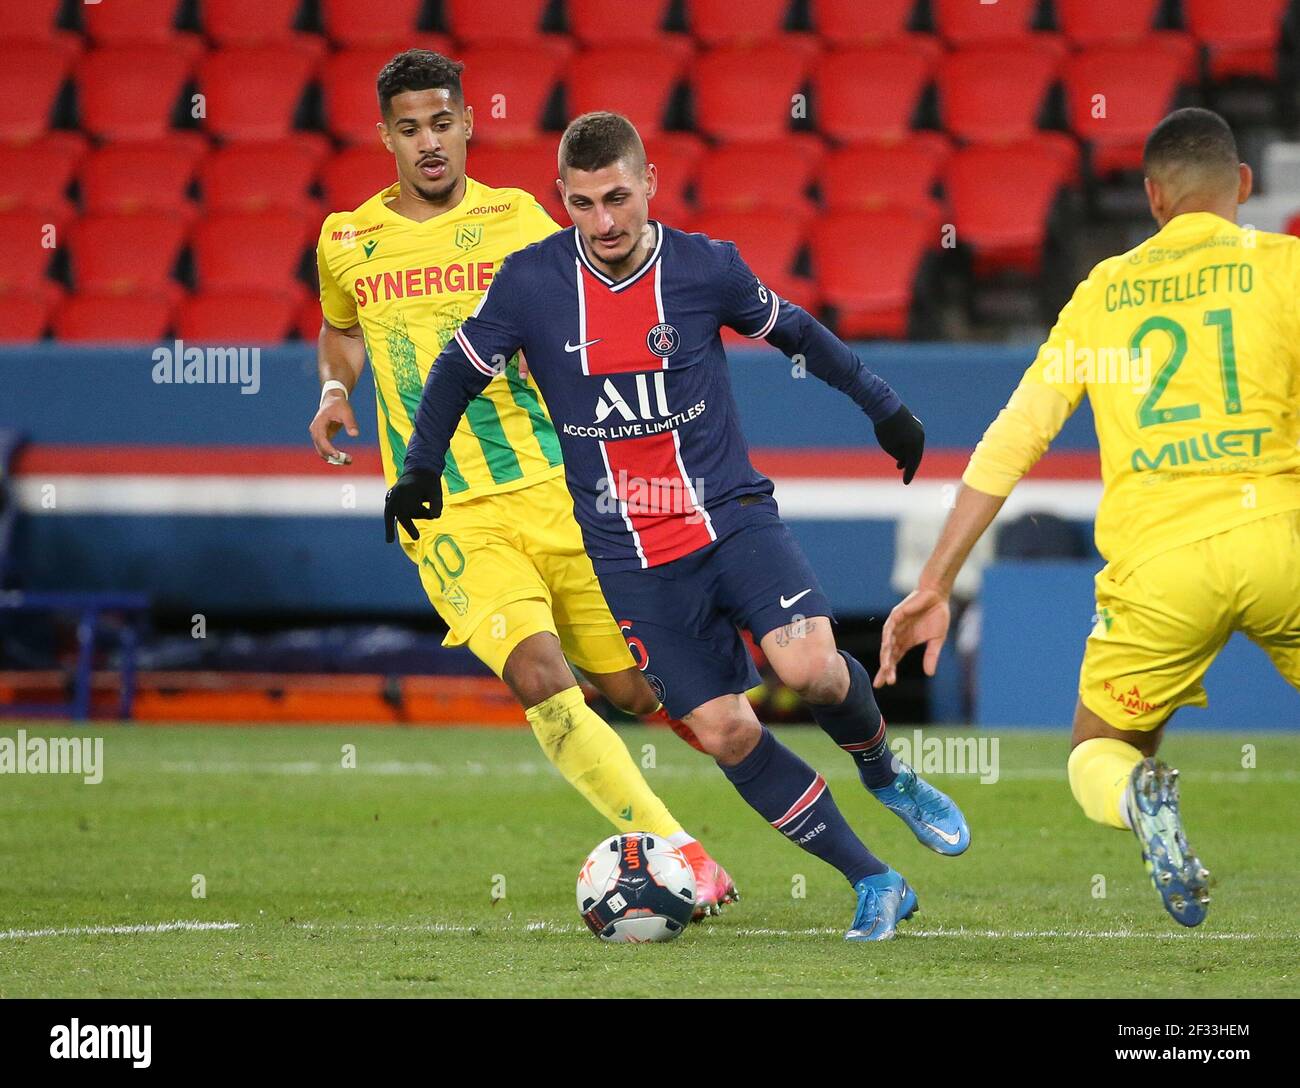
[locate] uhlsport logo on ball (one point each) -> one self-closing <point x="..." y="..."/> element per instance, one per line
<point x="636" y="888"/>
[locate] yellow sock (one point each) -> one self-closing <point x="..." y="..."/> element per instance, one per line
<point x="593" y="759"/>
<point x="1099" y="773"/>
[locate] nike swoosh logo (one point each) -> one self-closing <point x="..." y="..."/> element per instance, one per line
<point x="584" y="344"/>
<point x="790" y="603"/>
<point x="950" y="839"/>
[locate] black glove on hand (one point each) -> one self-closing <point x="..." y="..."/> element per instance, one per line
<point x="903" y="438"/>
<point x="417" y="494"/>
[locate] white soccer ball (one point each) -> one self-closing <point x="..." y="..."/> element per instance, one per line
<point x="636" y="888"/>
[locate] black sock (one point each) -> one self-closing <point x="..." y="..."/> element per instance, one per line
<point x="857" y="727"/>
<point x="794" y="799"/>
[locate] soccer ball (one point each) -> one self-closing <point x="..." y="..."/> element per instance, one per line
<point x="636" y="888"/>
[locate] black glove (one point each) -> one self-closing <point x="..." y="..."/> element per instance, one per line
<point x="903" y="438"/>
<point x="417" y="494"/>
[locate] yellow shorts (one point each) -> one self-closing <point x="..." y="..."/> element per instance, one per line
<point x="484" y="557"/>
<point x="1159" y="629"/>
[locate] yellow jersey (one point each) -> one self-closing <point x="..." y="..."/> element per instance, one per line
<point x="1188" y="347"/>
<point x="410" y="285"/>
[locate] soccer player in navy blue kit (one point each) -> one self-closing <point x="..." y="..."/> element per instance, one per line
<point x="619" y="319"/>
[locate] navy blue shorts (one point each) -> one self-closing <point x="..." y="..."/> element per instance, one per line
<point x="682" y="620"/>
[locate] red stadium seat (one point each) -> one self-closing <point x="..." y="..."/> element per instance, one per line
<point x="35" y="179"/>
<point x="24" y="316"/>
<point x="509" y="87"/>
<point x="869" y="94"/>
<point x="1115" y="95"/>
<point x="32" y="21"/>
<point x="131" y="22"/>
<point x="106" y="319"/>
<point x="529" y="165"/>
<point x="256" y="22"/>
<point x="253" y="92"/>
<point x="355" y="174"/>
<point x="121" y="254"/>
<point x="307" y="321"/>
<point x="1242" y="39"/>
<point x="724" y="22"/>
<point x="970" y="22"/>
<point x="352" y="23"/>
<point x="237" y="317"/>
<point x="770" y="243"/>
<point x="1106" y="22"/>
<point x="134" y="177"/>
<point x="633" y="82"/>
<point x="129" y="92"/>
<point x="1001" y="198"/>
<point x="30" y="80"/>
<point x="868" y="177"/>
<point x="502" y="22"/>
<point x="676" y="157"/>
<point x="745" y="177"/>
<point x="995" y="92"/>
<point x="730" y="104"/>
<point x="597" y="23"/>
<point x="25" y="258"/>
<point x="866" y="265"/>
<point x="257" y="251"/>
<point x="853" y="23"/>
<point x="253" y="177"/>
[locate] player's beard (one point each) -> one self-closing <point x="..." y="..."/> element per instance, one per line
<point x="435" y="194"/>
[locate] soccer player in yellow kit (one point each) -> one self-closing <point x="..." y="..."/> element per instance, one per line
<point x="505" y="566"/>
<point x="1199" y="520"/>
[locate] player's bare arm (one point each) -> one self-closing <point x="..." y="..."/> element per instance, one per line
<point x="341" y="357"/>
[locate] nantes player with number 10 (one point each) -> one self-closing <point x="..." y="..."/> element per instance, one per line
<point x="505" y="568"/>
<point x="1200" y="510"/>
<point x="620" y="318"/>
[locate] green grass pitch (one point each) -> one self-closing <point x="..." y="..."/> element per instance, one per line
<point x="443" y="864"/>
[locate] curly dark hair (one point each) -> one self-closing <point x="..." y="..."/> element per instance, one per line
<point x="595" y="140"/>
<point x="418" y="70"/>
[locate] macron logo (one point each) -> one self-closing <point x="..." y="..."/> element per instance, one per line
<point x="120" y="1041"/>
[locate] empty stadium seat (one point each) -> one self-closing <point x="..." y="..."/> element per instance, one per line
<point x="1136" y="86"/>
<point x="35" y="178"/>
<point x="132" y="177"/>
<point x="637" y="84"/>
<point x="307" y="321"/>
<point x="770" y="243"/>
<point x="902" y="174"/>
<point x="30" y="80"/>
<point x="355" y="174"/>
<point x="251" y="177"/>
<point x="25" y="316"/>
<point x="129" y="92"/>
<point x="1000" y="199"/>
<point x="130" y="22"/>
<point x="352" y="23"/>
<point x="236" y="317"/>
<point x="25" y="257"/>
<point x="676" y="157"/>
<point x="724" y="22"/>
<point x="1242" y="39"/>
<point x="970" y="22"/>
<point x="105" y="319"/>
<point x="869" y="94"/>
<point x="253" y="92"/>
<point x="474" y="23"/>
<point x="746" y="177"/>
<point x="256" y="22"/>
<point x="853" y="23"/>
<point x="509" y="87"/>
<point x="1106" y="22"/>
<point x="731" y="104"/>
<point x="121" y="254"/>
<point x="995" y="92"/>
<point x="251" y="251"/>
<point x="866" y="265"/>
<point x="595" y="23"/>
<point x="529" y="166"/>
<point x="31" y="21"/>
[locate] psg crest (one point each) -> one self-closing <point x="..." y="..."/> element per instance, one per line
<point x="663" y="340"/>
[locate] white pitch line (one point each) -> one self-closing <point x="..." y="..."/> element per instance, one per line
<point x="96" y="931"/>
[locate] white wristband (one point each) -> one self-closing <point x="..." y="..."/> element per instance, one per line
<point x="332" y="384"/>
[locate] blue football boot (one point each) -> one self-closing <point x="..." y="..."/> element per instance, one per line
<point x="1151" y="801"/>
<point x="932" y="816"/>
<point x="884" y="900"/>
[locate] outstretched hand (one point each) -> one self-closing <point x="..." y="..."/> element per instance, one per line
<point x="416" y="495"/>
<point x="922" y="616"/>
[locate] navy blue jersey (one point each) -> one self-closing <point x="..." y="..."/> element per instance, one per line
<point x="636" y="383"/>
